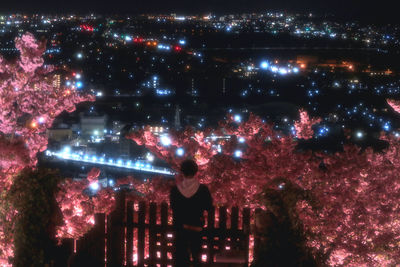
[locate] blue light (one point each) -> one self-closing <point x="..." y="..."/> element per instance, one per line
<point x="264" y="65"/>
<point x="182" y="42"/>
<point x="94" y="186"/>
<point x="283" y="71"/>
<point x="67" y="150"/>
<point x="386" y="127"/>
<point x="180" y="152"/>
<point x="295" y="70"/>
<point x="94" y="159"/>
<point x="41" y="120"/>
<point x="237" y="118"/>
<point x="128" y="38"/>
<point x="238" y="154"/>
<point x="119" y="162"/>
<point x="79" y="85"/>
<point x="274" y="69"/>
<point x="241" y="140"/>
<point x="165" y="140"/>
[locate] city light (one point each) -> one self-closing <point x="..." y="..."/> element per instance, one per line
<point x="274" y="69"/>
<point x="33" y="124"/>
<point x="359" y="134"/>
<point x="165" y="140"/>
<point x="238" y="154"/>
<point x="237" y="118"/>
<point x="150" y="157"/>
<point x="79" y="157"/>
<point x="66" y="150"/>
<point x="41" y="120"/>
<point x="283" y="71"/>
<point x="264" y="65"/>
<point x="94" y="186"/>
<point x="180" y="152"/>
<point x="79" y="55"/>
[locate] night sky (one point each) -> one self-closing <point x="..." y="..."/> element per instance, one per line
<point x="370" y="11"/>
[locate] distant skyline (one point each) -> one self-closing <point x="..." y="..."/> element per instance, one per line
<point x="383" y="10"/>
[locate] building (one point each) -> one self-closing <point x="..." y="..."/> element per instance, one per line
<point x="93" y="126"/>
<point x="59" y="134"/>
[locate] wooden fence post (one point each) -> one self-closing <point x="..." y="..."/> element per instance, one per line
<point x="129" y="234"/>
<point x="92" y="245"/>
<point x="234" y="231"/>
<point x="152" y="234"/>
<point x="116" y="233"/>
<point x="211" y="234"/>
<point x="246" y="231"/>
<point x="66" y="252"/>
<point x="164" y="229"/>
<point x="99" y="237"/>
<point x="141" y="233"/>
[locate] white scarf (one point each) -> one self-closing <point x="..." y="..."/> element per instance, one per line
<point x="188" y="187"/>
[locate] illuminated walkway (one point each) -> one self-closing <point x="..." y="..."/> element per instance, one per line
<point x="138" y="165"/>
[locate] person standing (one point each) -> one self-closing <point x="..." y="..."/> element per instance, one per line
<point x="189" y="199"/>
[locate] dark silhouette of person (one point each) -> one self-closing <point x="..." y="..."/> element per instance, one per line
<point x="189" y="199"/>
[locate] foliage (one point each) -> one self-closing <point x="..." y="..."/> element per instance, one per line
<point x="278" y="230"/>
<point x="346" y="228"/>
<point x="358" y="193"/>
<point x="29" y="103"/>
<point x="33" y="196"/>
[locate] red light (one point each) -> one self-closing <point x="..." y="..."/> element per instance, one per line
<point x="86" y="28"/>
<point x="177" y="48"/>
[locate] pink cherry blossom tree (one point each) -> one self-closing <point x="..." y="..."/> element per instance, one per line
<point x="29" y="103"/>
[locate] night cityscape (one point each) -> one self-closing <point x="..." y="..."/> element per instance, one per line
<point x="115" y="102"/>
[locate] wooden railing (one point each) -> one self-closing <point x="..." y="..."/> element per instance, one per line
<point x="141" y="234"/>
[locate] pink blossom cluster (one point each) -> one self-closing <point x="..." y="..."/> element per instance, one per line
<point x="357" y="219"/>
<point x="29" y="103"/>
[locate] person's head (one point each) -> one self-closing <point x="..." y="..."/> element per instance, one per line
<point x="189" y="168"/>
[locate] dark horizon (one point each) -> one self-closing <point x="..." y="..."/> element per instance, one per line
<point x="383" y="12"/>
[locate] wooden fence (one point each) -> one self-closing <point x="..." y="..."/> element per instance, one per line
<point x="140" y="234"/>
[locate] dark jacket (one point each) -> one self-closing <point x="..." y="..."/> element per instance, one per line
<point x="189" y="211"/>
